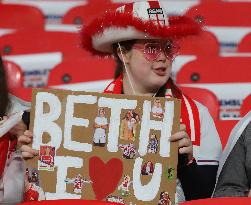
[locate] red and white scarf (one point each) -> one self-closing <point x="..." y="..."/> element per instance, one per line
<point x="189" y="110"/>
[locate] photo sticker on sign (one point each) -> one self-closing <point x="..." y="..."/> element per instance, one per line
<point x="46" y="158"/>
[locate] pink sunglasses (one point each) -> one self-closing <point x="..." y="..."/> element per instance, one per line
<point x="152" y="50"/>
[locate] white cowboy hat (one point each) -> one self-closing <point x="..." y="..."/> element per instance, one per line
<point x="138" y="20"/>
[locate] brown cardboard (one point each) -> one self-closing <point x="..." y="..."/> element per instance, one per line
<point x="100" y="155"/>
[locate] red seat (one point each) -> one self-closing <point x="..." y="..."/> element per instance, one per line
<point x="81" y="70"/>
<point x="21" y="17"/>
<point x="83" y="14"/>
<point x="227" y="77"/>
<point x="22" y="93"/>
<point x="205" y="97"/>
<point x="246" y="106"/>
<point x="216" y="70"/>
<point x="15" y="79"/>
<point x="220" y="13"/>
<point x="14" y="75"/>
<point x="204" y="44"/>
<point x="41" y="41"/>
<point x="224" y="128"/>
<point x="245" y="44"/>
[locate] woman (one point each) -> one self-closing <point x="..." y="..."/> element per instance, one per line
<point x="100" y="125"/>
<point x="234" y="174"/>
<point x="147" y="168"/>
<point x="157" y="110"/>
<point x="11" y="162"/>
<point x="128" y="127"/>
<point x="141" y="38"/>
<point x="153" y="144"/>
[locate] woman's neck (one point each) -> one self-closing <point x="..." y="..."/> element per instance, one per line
<point x="136" y="90"/>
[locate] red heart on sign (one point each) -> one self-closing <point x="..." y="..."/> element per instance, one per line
<point x="105" y="177"/>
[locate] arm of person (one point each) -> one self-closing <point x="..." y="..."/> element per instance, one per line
<point x="33" y="193"/>
<point x="197" y="181"/>
<point x="69" y="181"/>
<point x="11" y="188"/>
<point x="103" y="126"/>
<point x="234" y="177"/>
<point x="96" y="125"/>
<point x="18" y="129"/>
<point x="198" y="177"/>
<point x="24" y="137"/>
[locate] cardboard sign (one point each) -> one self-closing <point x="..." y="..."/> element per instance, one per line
<point x="105" y="147"/>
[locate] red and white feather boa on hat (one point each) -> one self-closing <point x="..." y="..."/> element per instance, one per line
<point x="129" y="22"/>
<point x="189" y="110"/>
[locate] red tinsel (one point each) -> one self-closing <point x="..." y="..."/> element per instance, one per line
<point x="178" y="26"/>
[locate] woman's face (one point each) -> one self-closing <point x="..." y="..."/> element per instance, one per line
<point x="101" y="113"/>
<point x="47" y="151"/>
<point x="148" y="74"/>
<point x="129" y="115"/>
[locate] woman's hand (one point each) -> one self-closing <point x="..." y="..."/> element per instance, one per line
<point x="18" y="129"/>
<point x="22" y="144"/>
<point x="184" y="142"/>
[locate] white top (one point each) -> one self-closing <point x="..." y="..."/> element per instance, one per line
<point x="156" y="109"/>
<point x="210" y="149"/>
<point x="99" y="133"/>
<point x="18" y="104"/>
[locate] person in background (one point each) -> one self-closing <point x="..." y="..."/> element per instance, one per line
<point x="11" y="160"/>
<point x="234" y="174"/>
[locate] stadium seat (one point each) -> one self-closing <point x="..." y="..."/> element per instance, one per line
<point x="14" y="73"/>
<point x="224" y="128"/>
<point x="81" y="15"/>
<point x="221" y="13"/>
<point x="227" y="77"/>
<point x="246" y="106"/>
<point x="21" y="17"/>
<point x="81" y="70"/>
<point x="245" y="44"/>
<point x="22" y="93"/>
<point x="203" y="45"/>
<point x="15" y="81"/>
<point x="29" y="42"/>
<point x="216" y="70"/>
<point x="205" y="97"/>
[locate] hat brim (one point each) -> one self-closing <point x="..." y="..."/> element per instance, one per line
<point x="102" y="42"/>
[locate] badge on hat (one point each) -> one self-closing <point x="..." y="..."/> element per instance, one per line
<point x="157" y="14"/>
